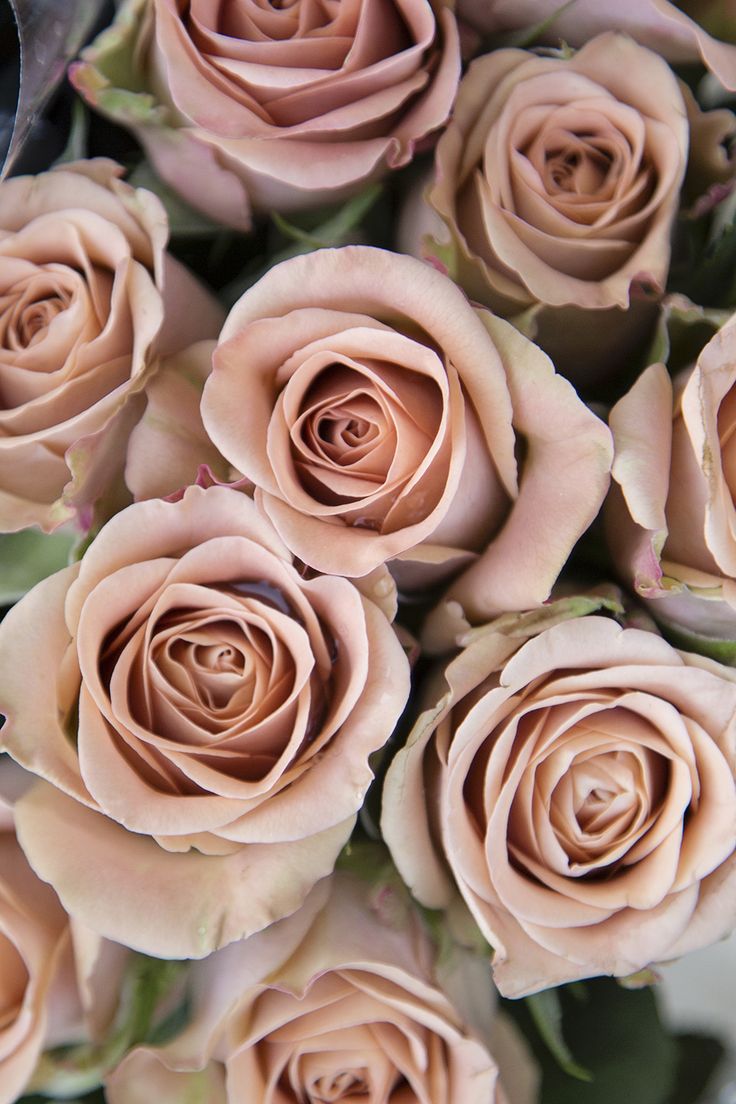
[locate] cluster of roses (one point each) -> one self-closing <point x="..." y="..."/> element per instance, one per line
<point x="196" y="707"/>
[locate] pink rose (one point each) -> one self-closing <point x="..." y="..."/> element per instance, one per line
<point x="204" y="717"/>
<point x="50" y="976"/>
<point x="381" y="418"/>
<point x="657" y="24"/>
<point x="276" y="106"/>
<point x="89" y="299"/>
<point x="338" y="1003"/>
<point x="557" y="182"/>
<point x="672" y="519"/>
<point x="579" y="790"/>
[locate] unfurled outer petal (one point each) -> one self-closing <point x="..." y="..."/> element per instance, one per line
<point x="564" y="479"/>
<point x="169" y="444"/>
<point x="90" y="299"/>
<point x="656" y="24"/>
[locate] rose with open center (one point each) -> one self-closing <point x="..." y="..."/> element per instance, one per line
<point x="89" y="299"/>
<point x="207" y="715"/>
<point x="339" y="1003"/>
<point x="556" y="185"/>
<point x="275" y="105"/>
<point x="580" y="788"/>
<point x="381" y="417"/>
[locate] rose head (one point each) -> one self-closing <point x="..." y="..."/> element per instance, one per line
<point x="207" y="715"/>
<point x="382" y="418"/>
<point x="88" y="298"/>
<point x="672" y="518"/>
<point x="275" y="105"/>
<point x="557" y="181"/>
<point x="334" y="1004"/>
<point x="581" y="791"/>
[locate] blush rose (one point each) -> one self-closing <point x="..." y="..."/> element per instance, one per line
<point x="579" y="789"/>
<point x="556" y="185"/>
<point x="382" y="418"/>
<point x="336" y="1003"/>
<point x="88" y="300"/>
<point x="275" y="106"/>
<point x="204" y="718"/>
<point x="657" y="24"/>
<point x="671" y="516"/>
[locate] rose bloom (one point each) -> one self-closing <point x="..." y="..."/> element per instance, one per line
<point x="671" y="520"/>
<point x="657" y="24"/>
<point x="88" y="300"/>
<point x="277" y="106"/>
<point x="579" y="789"/>
<point x="556" y="185"/>
<point x="204" y="716"/>
<point x="337" y="1003"/>
<point x="381" y="417"/>
<point x="48" y="982"/>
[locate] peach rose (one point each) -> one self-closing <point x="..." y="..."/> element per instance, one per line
<point x="204" y="717"/>
<point x="337" y="1003"/>
<point x="657" y="24"/>
<point x="47" y="981"/>
<point x="672" y="518"/>
<point x="274" y="105"/>
<point x="88" y="300"/>
<point x="558" y="181"/>
<point x="579" y="789"/>
<point x="382" y="418"/>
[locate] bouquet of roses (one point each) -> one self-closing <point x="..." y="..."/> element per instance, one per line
<point x="368" y="514"/>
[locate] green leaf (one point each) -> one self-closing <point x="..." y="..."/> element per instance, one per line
<point x="616" y="1034"/>
<point x="77" y="142"/>
<point x="74" y="1070"/>
<point x="723" y="651"/>
<point x="527" y="37"/>
<point x="698" y="1058"/>
<point x="547" y="1015"/>
<point x="28" y="557"/>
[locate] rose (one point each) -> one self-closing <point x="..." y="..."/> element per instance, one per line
<point x="51" y="978"/>
<point x="671" y="523"/>
<point x="274" y="106"/>
<point x="657" y="24"/>
<point x="558" y="181"/>
<point x="336" y="1003"/>
<point x="382" y="418"/>
<point x="33" y="937"/>
<point x="580" y="789"/>
<point x="206" y="716"/>
<point x="88" y="298"/>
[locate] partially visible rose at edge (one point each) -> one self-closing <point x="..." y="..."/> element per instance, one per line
<point x="324" y="1005"/>
<point x="275" y="113"/>
<point x="90" y="300"/>
<point x="656" y="24"/>
<point x="671" y="513"/>
<point x="56" y="984"/>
